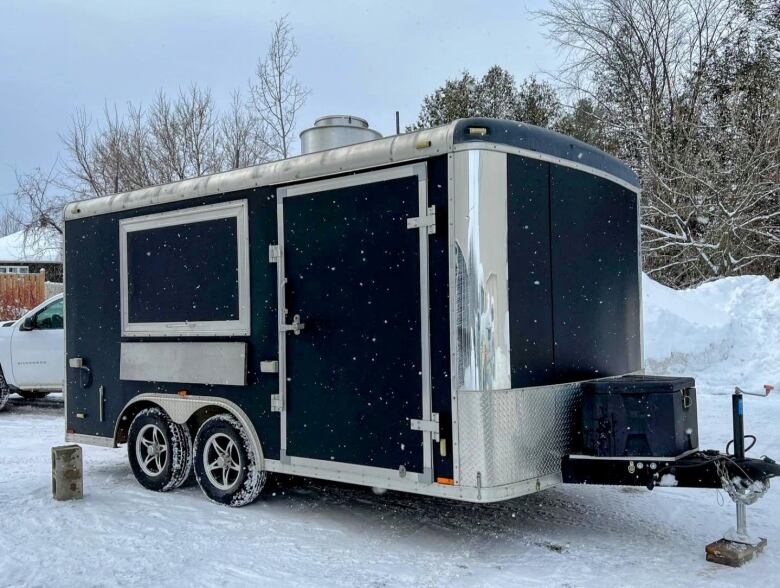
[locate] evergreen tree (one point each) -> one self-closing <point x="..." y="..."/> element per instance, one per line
<point x="455" y="99"/>
<point x="495" y="95"/>
<point x="537" y="103"/>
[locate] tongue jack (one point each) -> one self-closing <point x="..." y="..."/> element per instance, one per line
<point x="737" y="546"/>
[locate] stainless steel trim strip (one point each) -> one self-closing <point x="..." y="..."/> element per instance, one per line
<point x="482" y="272"/>
<point x="452" y="273"/>
<point x="363" y="471"/>
<point x="218" y="363"/>
<point x="366" y="476"/>
<point x="425" y="326"/>
<point x="89" y="440"/>
<point x="281" y="318"/>
<point x="65" y="350"/>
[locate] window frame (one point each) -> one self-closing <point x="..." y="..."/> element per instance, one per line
<point x="237" y="209"/>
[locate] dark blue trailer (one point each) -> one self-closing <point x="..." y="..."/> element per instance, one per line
<point x="412" y="313"/>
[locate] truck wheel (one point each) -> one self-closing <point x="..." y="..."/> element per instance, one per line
<point x="32" y="395"/>
<point x="225" y="462"/>
<point x="159" y="450"/>
<point x="5" y="391"/>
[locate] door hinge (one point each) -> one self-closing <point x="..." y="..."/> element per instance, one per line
<point x="276" y="403"/>
<point x="270" y="366"/>
<point x="431" y="426"/>
<point x="273" y="254"/>
<point x="429" y="221"/>
<point x="296" y="327"/>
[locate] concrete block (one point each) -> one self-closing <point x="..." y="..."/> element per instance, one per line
<point x="67" y="473"/>
<point x="731" y="553"/>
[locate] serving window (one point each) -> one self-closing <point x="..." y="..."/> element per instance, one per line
<point x="186" y="272"/>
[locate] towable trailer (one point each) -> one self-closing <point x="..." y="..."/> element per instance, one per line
<point x="423" y="312"/>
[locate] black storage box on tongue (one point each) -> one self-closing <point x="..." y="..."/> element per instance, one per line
<point x="639" y="416"/>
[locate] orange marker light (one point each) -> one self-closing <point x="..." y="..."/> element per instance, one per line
<point x="447" y="481"/>
<point x="182" y="393"/>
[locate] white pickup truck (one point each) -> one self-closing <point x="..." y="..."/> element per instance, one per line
<point x="32" y="352"/>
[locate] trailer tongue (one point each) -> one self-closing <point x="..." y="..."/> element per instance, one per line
<point x="642" y="431"/>
<point x="701" y="469"/>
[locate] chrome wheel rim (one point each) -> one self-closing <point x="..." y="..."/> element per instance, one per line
<point x="222" y="462"/>
<point x="151" y="450"/>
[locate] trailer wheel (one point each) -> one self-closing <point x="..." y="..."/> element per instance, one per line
<point x="159" y="450"/>
<point x="5" y="391"/>
<point x="225" y="462"/>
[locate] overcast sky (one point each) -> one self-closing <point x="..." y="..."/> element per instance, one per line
<point x="366" y="58"/>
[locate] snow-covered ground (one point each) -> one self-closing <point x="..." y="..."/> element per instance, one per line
<point x="330" y="535"/>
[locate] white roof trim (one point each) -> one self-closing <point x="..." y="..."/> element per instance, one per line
<point x="397" y="148"/>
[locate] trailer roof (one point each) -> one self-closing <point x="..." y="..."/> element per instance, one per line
<point x="544" y="141"/>
<point x="521" y="138"/>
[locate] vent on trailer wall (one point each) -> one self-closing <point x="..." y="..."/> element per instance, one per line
<point x="337" y="130"/>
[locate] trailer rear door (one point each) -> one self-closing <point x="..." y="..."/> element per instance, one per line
<point x="354" y="325"/>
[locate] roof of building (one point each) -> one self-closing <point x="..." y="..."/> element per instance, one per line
<point x="43" y="248"/>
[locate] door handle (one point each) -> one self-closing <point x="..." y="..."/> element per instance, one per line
<point x="296" y="327"/>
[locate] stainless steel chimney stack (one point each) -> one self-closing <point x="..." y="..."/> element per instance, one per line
<point x="334" y="131"/>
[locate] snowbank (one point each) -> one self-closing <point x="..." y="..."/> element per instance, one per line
<point x="725" y="333"/>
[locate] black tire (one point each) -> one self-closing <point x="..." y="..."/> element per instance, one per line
<point x="235" y="480"/>
<point x="159" y="450"/>
<point x="32" y="395"/>
<point x="5" y="391"/>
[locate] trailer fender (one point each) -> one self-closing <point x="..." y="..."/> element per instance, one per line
<point x="181" y="409"/>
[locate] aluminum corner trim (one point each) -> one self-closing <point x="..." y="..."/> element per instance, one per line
<point x="509" y="436"/>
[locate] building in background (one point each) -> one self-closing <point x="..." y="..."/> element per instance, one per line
<point x="20" y="255"/>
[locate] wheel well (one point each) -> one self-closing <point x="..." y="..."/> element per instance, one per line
<point x="201" y="415"/>
<point x="194" y="422"/>
<point x="123" y="424"/>
<point x="192" y="411"/>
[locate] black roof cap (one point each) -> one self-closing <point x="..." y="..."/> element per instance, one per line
<point x="533" y="138"/>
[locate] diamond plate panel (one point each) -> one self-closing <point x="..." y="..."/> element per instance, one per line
<point x="509" y="436"/>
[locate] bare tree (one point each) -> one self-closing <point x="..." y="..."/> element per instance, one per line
<point x="184" y="135"/>
<point x="276" y="94"/>
<point x="709" y="183"/>
<point x="9" y="220"/>
<point x="242" y="139"/>
<point x="171" y="139"/>
<point x="39" y="202"/>
<point x="81" y="166"/>
<point x="37" y="210"/>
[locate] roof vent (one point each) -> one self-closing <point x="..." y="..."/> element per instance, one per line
<point x="337" y="130"/>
